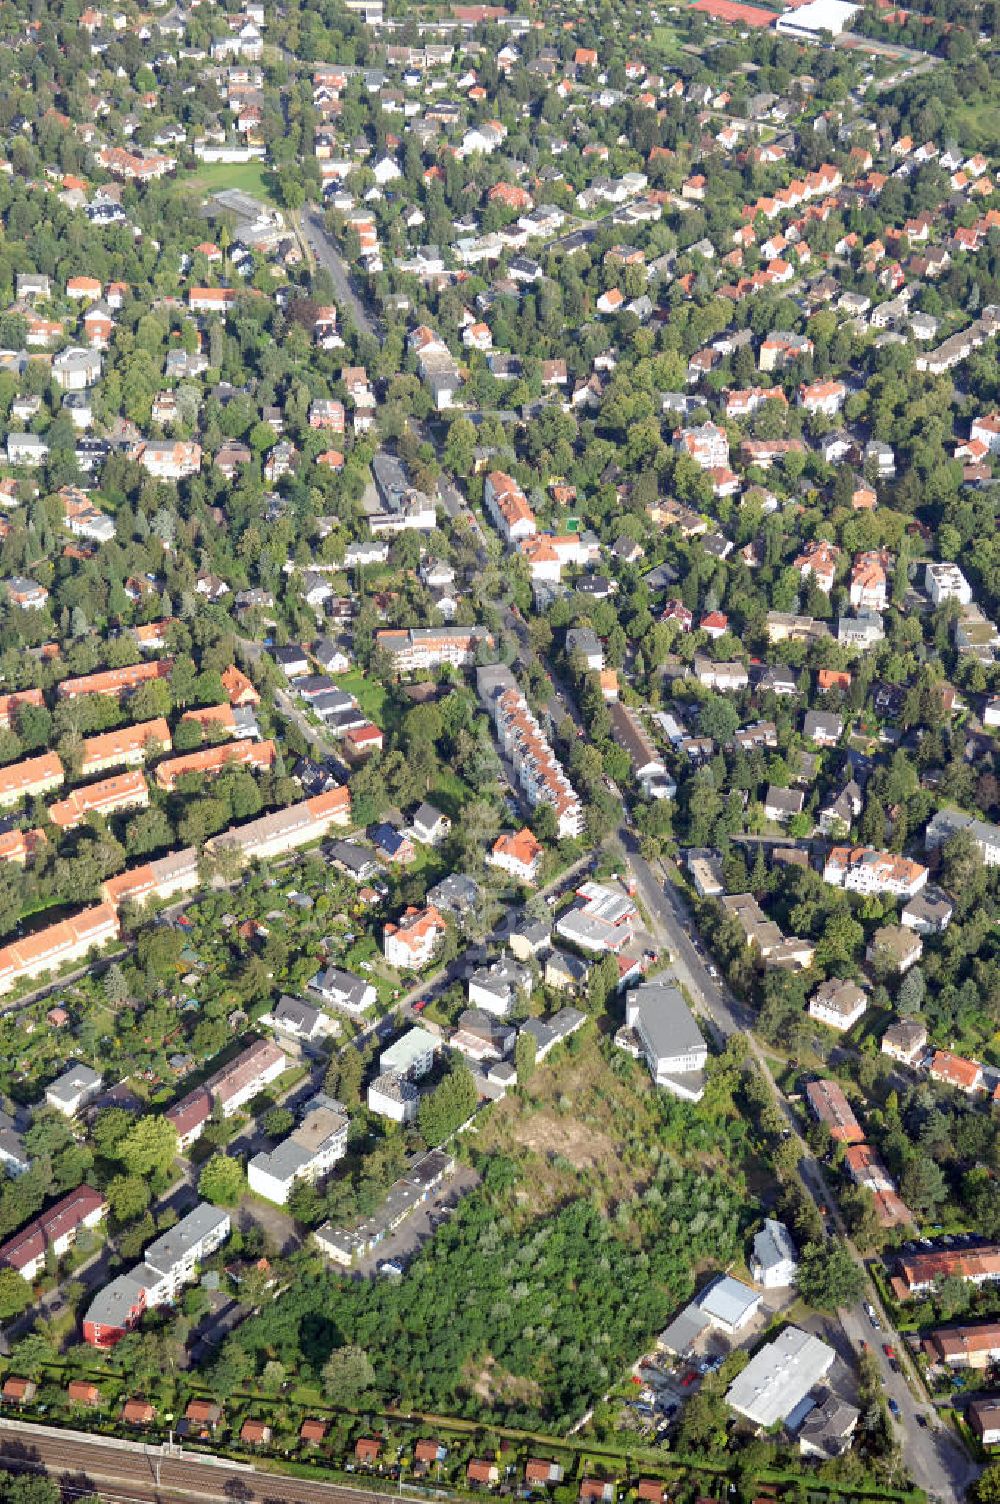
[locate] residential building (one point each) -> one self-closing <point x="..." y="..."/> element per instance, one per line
<point x="343" y="990"/>
<point x="829" y="1105"/>
<point x="983" y="1416"/>
<point x="822" y="727"/>
<point x="661" y="1029"/>
<point x="929" y="913"/>
<point x="869" y="588"/>
<point x="920" y="1272"/>
<point x="953" y="1070"/>
<point x="866" y="1170"/>
<point x="55" y="1230"/>
<point x="894" y="947"/>
<point x="286" y="829"/>
<point x="944" y="581"/>
<point x="780" y="805"/>
<point x="948" y="822"/>
<point x="507" y="507"/>
<point x="523" y="742"/>
<point x="115" y="681"/>
<point x="411" y="943"/>
<point x="162" y="878"/>
<point x="774" y="1262"/>
<point x="861" y="869"/>
<point x="838" y="1004"/>
<point x="209" y="762"/>
<point x="393" y="1096"/>
<point x="128" y="747"/>
<point x="519" y="855"/>
<point x="975" y="1345"/>
<point x="169" y="1263"/>
<point x="227" y="1090"/>
<point x="429" y="826"/>
<point x="168" y="459"/>
<point x="71" y="1091"/>
<point x="123" y="791"/>
<point x="419" y="649"/>
<point x="905" y="1041"/>
<point x="776" y="950"/>
<point x="299" y="1021"/>
<point x="308" y="1153"/>
<point x="31" y="778"/>
<point x="57" y="944"/>
<point x="412" y="1055"/>
<point x="648" y="767"/>
<point x="496" y="987"/>
<point x="827" y="1430"/>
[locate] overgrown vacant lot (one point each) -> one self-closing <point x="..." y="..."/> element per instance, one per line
<point x="530" y="1303"/>
<point x="590" y="1121"/>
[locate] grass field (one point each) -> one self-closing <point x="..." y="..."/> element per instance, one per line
<point x="249" y="177"/>
<point x="978" y="125"/>
<point x="666" y="40"/>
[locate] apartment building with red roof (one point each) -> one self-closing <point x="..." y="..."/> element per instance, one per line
<point x="411" y="943"/>
<point x="55" y="1229"/>
<point x="48" y="949"/>
<point x="507" y="507"/>
<point x="238" y="687"/>
<point x="953" y="1070"/>
<point x="518" y="854"/>
<point x="11" y="705"/>
<point x="920" y="1272"/>
<point x="861" y="869"/>
<point x="127" y="747"/>
<point x="122" y="791"/>
<point x="209" y="762"/>
<point x="31" y="778"/>
<point x="115" y="681"/>
<point x="829" y="1105"/>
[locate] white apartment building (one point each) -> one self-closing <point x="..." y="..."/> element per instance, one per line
<point x="946" y="582"/>
<point x="308" y="1153"/>
<point x="861" y="869"/>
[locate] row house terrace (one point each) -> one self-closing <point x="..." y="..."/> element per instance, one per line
<point x="538" y="770"/>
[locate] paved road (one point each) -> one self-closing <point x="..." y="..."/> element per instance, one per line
<point x="135" y="1472"/>
<point x="316" y="736"/>
<point x="934" y="1456"/>
<point x="346" y="293"/>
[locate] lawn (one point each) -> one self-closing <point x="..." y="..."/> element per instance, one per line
<point x="255" y="178"/>
<point x="978" y="125"/>
<point x="666" y="40"/>
<point x="370" y="695"/>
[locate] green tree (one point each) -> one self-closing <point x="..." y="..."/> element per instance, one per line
<point x="347" y="1374"/>
<point x="524" y="1058"/>
<point x="922" y="1185"/>
<point x="447" y="1107"/>
<point x="15" y="1294"/>
<point x="149" y="1148"/>
<point x="128" y="1197"/>
<point x="222" y="1181"/>
<point x="828" y="1276"/>
<point x="278" y="1122"/>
